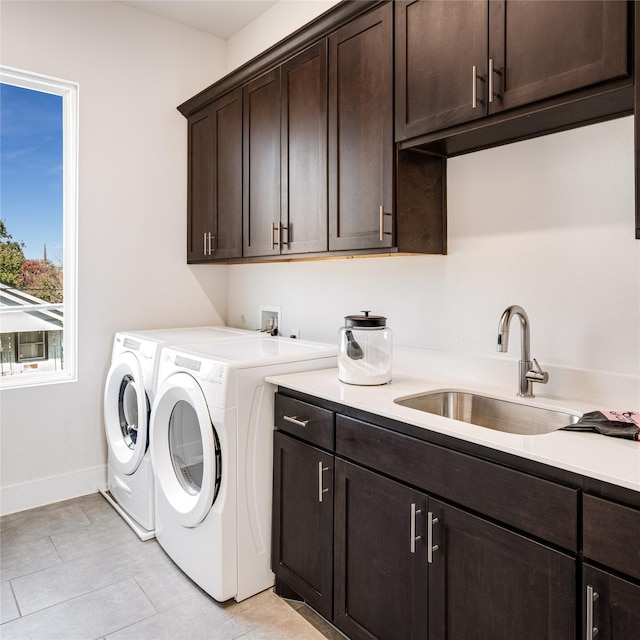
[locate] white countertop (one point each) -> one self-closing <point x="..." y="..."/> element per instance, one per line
<point x="612" y="460"/>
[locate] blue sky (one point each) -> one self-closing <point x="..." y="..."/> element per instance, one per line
<point x="31" y="169"/>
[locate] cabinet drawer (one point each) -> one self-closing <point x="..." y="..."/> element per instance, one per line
<point x="305" y="421"/>
<point x="539" y="507"/>
<point x="611" y="535"/>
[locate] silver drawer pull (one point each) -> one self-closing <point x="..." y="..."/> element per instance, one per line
<point x="430" y="546"/>
<point x="275" y="229"/>
<point x="383" y="213"/>
<point x="592" y="596"/>
<point x="490" y="75"/>
<point x="474" y="87"/>
<point x="294" y="420"/>
<point x="321" y="490"/>
<point x="413" y="537"/>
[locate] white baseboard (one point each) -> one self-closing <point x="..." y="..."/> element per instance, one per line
<point x="18" y="497"/>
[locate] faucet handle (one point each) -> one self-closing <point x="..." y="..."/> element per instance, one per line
<point x="536" y="374"/>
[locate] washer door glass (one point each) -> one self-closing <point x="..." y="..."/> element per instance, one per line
<point x="185" y="450"/>
<point x="126" y="413"/>
<point x="185" y="447"/>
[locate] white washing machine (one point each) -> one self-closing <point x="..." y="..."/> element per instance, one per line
<point x="212" y="451"/>
<point x="129" y="390"/>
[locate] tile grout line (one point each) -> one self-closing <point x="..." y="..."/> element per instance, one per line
<point x="81" y="595"/>
<point x="15" y="599"/>
<point x="55" y="546"/>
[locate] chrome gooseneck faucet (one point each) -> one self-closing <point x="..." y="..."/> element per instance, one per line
<point x="529" y="371"/>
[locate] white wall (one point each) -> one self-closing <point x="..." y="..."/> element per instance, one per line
<point x="546" y="223"/>
<point x="270" y="27"/>
<point x="133" y="70"/>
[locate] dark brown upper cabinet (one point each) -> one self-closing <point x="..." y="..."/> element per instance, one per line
<point x="303" y="221"/>
<point x="542" y="49"/>
<point x="285" y="158"/>
<point x="438" y="44"/>
<point x="458" y="61"/>
<point x="361" y="153"/>
<point x="214" y="201"/>
<point x="636" y="102"/>
<point x="261" y="177"/>
<point x="292" y="155"/>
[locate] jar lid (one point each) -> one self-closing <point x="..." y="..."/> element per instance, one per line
<point x="365" y="321"/>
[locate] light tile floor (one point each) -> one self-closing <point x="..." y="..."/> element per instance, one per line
<point x="75" y="570"/>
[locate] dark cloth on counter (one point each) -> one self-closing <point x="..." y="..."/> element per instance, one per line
<point x="598" y="422"/>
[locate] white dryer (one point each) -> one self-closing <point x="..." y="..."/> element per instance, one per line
<point x="212" y="451"/>
<point x="129" y="390"/>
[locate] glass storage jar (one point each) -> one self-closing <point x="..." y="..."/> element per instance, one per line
<point x="365" y="350"/>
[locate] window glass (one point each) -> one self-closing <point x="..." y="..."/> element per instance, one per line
<point x="31" y="346"/>
<point x="38" y="196"/>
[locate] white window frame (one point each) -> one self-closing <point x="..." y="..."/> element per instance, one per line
<point x="69" y="92"/>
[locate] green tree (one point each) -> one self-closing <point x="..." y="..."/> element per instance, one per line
<point x="43" y="279"/>
<point x="11" y="258"/>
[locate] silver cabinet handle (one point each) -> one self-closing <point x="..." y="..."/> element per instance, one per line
<point x="430" y="546"/>
<point x="275" y="243"/>
<point x="207" y="248"/>
<point x="414" y="537"/>
<point x="294" y="420"/>
<point x="592" y="596"/>
<point x="383" y="213"/>
<point x="321" y="491"/>
<point x="474" y="87"/>
<point x="490" y="79"/>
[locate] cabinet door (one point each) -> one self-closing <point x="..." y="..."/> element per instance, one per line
<point x="200" y="188"/>
<point x="304" y="151"/>
<point x="600" y="518"/>
<point x="441" y="64"/>
<point x="361" y="133"/>
<point x="261" y="203"/>
<point x="214" y="202"/>
<point x="302" y="552"/>
<point x="380" y="574"/>
<point x="544" y="48"/>
<point x="488" y="582"/>
<point x="611" y="605"/>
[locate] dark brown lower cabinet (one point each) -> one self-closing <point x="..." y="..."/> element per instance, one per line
<point x="302" y="545"/>
<point x="483" y="581"/>
<point x="380" y="567"/>
<point x="488" y="582"/>
<point x="360" y="535"/>
<point x="611" y="606"/>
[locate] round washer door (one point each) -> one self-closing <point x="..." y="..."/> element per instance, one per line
<point x="185" y="451"/>
<point x="126" y="413"/>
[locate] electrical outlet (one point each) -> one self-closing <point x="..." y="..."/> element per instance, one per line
<point x="294" y="333"/>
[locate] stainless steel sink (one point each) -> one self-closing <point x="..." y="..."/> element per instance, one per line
<point x="494" y="413"/>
